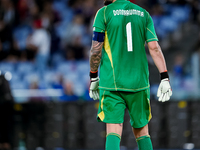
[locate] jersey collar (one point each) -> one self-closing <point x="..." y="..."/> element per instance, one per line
<point x="121" y="0"/>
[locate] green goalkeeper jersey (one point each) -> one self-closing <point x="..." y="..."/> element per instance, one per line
<point x="124" y="66"/>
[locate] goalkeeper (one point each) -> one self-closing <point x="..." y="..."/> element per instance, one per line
<point x="120" y="31"/>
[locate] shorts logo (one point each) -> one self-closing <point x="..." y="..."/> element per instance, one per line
<point x="128" y="12"/>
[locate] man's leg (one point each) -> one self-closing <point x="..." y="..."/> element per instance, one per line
<point x="143" y="138"/>
<point x="114" y="132"/>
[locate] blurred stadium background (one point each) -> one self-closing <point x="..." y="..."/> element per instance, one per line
<point x="44" y="76"/>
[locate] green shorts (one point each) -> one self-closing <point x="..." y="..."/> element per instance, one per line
<point x="112" y="106"/>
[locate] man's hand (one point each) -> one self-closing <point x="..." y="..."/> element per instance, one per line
<point x="94" y="91"/>
<point x="164" y="90"/>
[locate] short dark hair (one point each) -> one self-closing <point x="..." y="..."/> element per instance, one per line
<point x="107" y="2"/>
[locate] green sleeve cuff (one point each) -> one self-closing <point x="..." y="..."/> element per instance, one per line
<point x="152" y="39"/>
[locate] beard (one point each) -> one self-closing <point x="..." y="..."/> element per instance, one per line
<point x="107" y="2"/>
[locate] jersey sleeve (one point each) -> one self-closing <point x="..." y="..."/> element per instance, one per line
<point x="99" y="21"/>
<point x="150" y="31"/>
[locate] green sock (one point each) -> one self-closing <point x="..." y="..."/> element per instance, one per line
<point x="144" y="143"/>
<point x="113" y="141"/>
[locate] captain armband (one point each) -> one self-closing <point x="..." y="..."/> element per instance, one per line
<point x="98" y="36"/>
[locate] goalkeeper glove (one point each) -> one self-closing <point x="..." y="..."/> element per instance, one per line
<point x="164" y="89"/>
<point x="94" y="85"/>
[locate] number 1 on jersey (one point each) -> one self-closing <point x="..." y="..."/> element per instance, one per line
<point x="129" y="37"/>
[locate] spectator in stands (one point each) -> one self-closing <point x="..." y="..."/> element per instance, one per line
<point x="34" y="85"/>
<point x="39" y="43"/>
<point x="182" y="2"/>
<point x="152" y="3"/>
<point x="34" y="11"/>
<point x="74" y="30"/>
<point x="50" y="18"/>
<point x="22" y="9"/>
<point x="72" y="41"/>
<point x="195" y="11"/>
<point x="76" y="5"/>
<point x="88" y="11"/>
<point x="8" y="11"/>
<point x="68" y="94"/>
<point x="8" y="47"/>
<point x="59" y="82"/>
<point x="49" y="15"/>
<point x="75" y="50"/>
<point x="69" y="53"/>
<point x="157" y="10"/>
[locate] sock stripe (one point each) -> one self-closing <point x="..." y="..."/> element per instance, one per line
<point x="144" y="143"/>
<point x="115" y="134"/>
<point x="142" y="137"/>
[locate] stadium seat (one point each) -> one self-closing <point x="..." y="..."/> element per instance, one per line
<point x="180" y="14"/>
<point x="67" y="16"/>
<point x="16" y="78"/>
<point x="7" y="66"/>
<point x="25" y="67"/>
<point x="85" y="78"/>
<point x="50" y="77"/>
<point x="83" y="66"/>
<point x="167" y="24"/>
<point x="44" y="84"/>
<point x="31" y="77"/>
<point x="61" y="28"/>
<point x="66" y="67"/>
<point x="59" y="5"/>
<point x="71" y="76"/>
<point x="65" y="12"/>
<point x="57" y="59"/>
<point x="18" y="85"/>
<point x="156" y="20"/>
<point x="79" y="87"/>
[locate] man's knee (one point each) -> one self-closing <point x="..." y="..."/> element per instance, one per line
<point x="114" y="128"/>
<point x="138" y="132"/>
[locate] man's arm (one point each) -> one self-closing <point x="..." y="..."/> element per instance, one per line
<point x="157" y="56"/>
<point x="99" y="28"/>
<point x="164" y="89"/>
<point x="95" y="59"/>
<point x="95" y="55"/>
